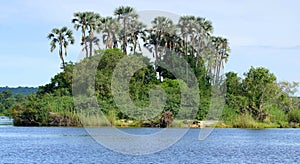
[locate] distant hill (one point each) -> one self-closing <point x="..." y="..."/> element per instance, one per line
<point x="20" y="90"/>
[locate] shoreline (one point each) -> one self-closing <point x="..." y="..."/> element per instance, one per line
<point x="217" y="126"/>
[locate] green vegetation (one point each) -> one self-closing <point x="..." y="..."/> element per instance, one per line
<point x="256" y="100"/>
<point x="8" y="99"/>
<point x="20" y="90"/>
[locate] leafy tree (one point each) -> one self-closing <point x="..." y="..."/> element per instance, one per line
<point x="286" y="99"/>
<point x="256" y="84"/>
<point x="20" y="90"/>
<point x="61" y="84"/>
<point x="235" y="95"/>
<point x="294" y="116"/>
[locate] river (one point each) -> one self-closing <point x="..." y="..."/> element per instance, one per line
<point x="75" y="145"/>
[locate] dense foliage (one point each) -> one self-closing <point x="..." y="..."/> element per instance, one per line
<point x="8" y="99"/>
<point x="258" y="98"/>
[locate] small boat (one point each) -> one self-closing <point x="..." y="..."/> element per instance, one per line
<point x="4" y="120"/>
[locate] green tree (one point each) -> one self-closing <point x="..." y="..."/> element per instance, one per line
<point x="61" y="83"/>
<point x="286" y="99"/>
<point x="235" y="95"/>
<point x="256" y="84"/>
<point x="63" y="37"/>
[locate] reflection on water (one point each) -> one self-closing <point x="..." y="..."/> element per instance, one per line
<point x="74" y="145"/>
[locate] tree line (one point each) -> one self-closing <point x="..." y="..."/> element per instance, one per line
<point x="19" y="90"/>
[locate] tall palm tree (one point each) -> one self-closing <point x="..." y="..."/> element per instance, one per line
<point x="163" y="24"/>
<point x="222" y="51"/>
<point x="94" y="41"/>
<point x="188" y="29"/>
<point x="125" y="14"/>
<point x="204" y="31"/>
<point x="162" y="28"/>
<point x="159" y="37"/>
<point x="86" y="21"/>
<point x="137" y="30"/>
<point x="110" y="32"/>
<point x="63" y="37"/>
<point x="95" y="23"/>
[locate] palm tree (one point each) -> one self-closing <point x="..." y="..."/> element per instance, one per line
<point x="110" y="32"/>
<point x="204" y="31"/>
<point x="162" y="27"/>
<point x="127" y="15"/>
<point x="63" y="37"/>
<point x="188" y="29"/>
<point x="221" y="54"/>
<point x="159" y="37"/>
<point x="86" y="21"/>
<point x="95" y="23"/>
<point x="94" y="41"/>
<point x="163" y="24"/>
<point x="137" y="30"/>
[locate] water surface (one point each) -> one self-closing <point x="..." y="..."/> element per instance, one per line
<point x="74" y="145"/>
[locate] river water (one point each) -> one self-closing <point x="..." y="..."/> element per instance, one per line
<point x="75" y="145"/>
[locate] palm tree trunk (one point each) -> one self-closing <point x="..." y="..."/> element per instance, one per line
<point x="86" y="50"/>
<point x="61" y="55"/>
<point x="83" y="39"/>
<point x="187" y="59"/>
<point x="219" y="66"/>
<point x="215" y="66"/>
<point x="91" y="48"/>
<point x="125" y="38"/>
<point x="156" y="60"/>
<point x="218" y="71"/>
<point x="134" y="45"/>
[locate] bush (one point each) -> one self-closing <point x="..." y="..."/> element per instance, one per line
<point x="244" y="121"/>
<point x="277" y="115"/>
<point x="228" y="114"/>
<point x="294" y="116"/>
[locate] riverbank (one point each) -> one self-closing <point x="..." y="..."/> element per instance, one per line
<point x="60" y="121"/>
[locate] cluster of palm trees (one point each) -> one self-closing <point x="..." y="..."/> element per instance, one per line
<point x="191" y="37"/>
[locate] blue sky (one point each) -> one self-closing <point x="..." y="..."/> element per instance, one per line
<point x="261" y="33"/>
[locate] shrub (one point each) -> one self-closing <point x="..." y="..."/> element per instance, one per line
<point x="294" y="116"/>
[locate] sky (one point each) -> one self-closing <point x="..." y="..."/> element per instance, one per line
<point x="261" y="33"/>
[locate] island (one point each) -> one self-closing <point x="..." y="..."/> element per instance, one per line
<point x="173" y="73"/>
